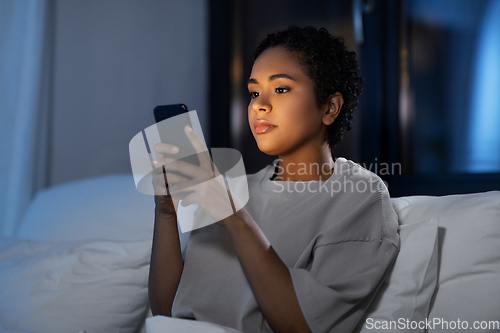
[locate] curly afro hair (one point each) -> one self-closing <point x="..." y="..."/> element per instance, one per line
<point x="327" y="62"/>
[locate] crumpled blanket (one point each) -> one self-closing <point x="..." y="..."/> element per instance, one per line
<point x="162" y="324"/>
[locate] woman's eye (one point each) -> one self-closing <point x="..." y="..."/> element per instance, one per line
<point x="253" y="94"/>
<point x="282" y="90"/>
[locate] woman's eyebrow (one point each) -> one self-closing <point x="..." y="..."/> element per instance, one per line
<point x="281" y="76"/>
<point x="273" y="77"/>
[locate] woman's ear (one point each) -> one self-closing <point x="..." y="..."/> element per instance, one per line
<point x="335" y="103"/>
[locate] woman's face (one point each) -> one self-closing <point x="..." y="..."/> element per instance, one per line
<point x="282" y="112"/>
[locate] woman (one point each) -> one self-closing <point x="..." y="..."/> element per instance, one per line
<point x="313" y="244"/>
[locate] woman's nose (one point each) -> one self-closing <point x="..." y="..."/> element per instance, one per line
<point x="262" y="105"/>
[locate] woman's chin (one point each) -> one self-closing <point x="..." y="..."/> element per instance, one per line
<point x="269" y="149"/>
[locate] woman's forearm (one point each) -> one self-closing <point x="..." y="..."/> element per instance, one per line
<point x="267" y="275"/>
<point x="166" y="264"/>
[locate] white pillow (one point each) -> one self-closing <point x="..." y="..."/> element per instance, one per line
<point x="405" y="296"/>
<point x="3" y="330"/>
<point x="106" y="208"/>
<point x="48" y="287"/>
<point x="469" y="255"/>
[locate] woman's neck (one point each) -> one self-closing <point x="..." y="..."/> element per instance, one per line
<point x="306" y="165"/>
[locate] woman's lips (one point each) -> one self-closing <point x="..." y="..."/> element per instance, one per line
<point x="263" y="129"/>
<point x="262" y="126"/>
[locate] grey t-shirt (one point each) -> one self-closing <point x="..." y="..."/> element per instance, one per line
<point x="338" y="237"/>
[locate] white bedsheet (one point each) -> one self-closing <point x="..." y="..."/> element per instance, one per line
<point x="162" y="324"/>
<point x="66" y="287"/>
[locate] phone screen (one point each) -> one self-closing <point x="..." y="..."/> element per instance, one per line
<point x="171" y="121"/>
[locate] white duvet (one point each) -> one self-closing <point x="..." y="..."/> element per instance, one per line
<point x="161" y="324"/>
<point x="66" y="287"/>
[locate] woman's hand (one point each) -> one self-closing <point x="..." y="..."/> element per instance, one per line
<point x="165" y="205"/>
<point x="201" y="184"/>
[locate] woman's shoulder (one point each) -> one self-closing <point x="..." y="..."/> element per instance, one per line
<point x="352" y="169"/>
<point x="364" y="204"/>
<point x="348" y="177"/>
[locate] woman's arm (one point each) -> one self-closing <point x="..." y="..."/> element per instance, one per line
<point x="267" y="275"/>
<point x="166" y="264"/>
<point x="166" y="259"/>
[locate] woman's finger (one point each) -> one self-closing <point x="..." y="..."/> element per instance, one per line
<point x="183" y="185"/>
<point x="199" y="146"/>
<point x="180" y="196"/>
<point x="160" y="174"/>
<point x="162" y="179"/>
<point x="161" y="190"/>
<point x="189" y="200"/>
<point x="168" y="178"/>
<point x="162" y="148"/>
<point x="176" y="203"/>
<point x="173" y="166"/>
<point x="187" y="169"/>
<point x="160" y="167"/>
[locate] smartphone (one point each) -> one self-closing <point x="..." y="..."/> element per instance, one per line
<point x="171" y="121"/>
<point x="163" y="112"/>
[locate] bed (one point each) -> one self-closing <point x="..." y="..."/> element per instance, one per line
<point x="80" y="261"/>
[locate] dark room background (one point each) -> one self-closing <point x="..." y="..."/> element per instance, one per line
<point x="80" y="78"/>
<point x="429" y="115"/>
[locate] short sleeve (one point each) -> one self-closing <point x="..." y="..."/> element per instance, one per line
<point x="336" y="290"/>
